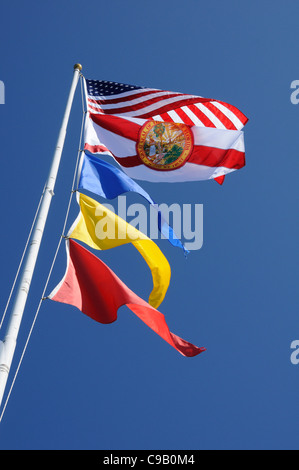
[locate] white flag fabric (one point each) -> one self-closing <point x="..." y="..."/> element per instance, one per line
<point x="158" y="151"/>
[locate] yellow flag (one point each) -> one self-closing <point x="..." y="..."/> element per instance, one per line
<point x="102" y="229"/>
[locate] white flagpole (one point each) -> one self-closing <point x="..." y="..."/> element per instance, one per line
<point x="7" y="347"/>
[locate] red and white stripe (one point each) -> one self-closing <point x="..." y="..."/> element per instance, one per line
<point x="170" y="107"/>
<point x="216" y="152"/>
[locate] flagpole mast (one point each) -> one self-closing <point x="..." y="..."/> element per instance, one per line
<point x="7" y="347"/>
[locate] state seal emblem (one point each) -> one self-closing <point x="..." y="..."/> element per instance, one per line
<point x="163" y="145"/>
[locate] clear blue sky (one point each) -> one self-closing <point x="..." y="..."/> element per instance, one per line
<point x="83" y="385"/>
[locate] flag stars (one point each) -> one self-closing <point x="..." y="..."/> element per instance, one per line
<point x="106" y="88"/>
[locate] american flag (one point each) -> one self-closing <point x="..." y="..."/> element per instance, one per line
<point x="105" y="97"/>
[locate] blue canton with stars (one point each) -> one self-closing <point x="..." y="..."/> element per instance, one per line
<point x="106" y="88"/>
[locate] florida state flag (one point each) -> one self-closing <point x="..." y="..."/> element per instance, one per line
<point x="165" y="152"/>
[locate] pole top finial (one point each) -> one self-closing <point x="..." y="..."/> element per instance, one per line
<point x="78" y="66"/>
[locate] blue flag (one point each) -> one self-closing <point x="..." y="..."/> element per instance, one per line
<point x="105" y="180"/>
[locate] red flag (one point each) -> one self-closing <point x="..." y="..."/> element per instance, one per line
<point x="94" y="289"/>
